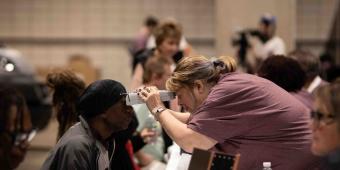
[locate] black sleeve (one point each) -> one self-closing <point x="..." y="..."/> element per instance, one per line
<point x="137" y="142"/>
<point x="121" y="159"/>
<point x="141" y="57"/>
<point x="178" y="56"/>
<point x="124" y="135"/>
<point x="130" y="133"/>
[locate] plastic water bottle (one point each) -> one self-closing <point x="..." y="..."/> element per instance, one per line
<point x="267" y="166"/>
<point x="151" y="124"/>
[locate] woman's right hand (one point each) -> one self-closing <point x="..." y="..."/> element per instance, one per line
<point x="150" y="95"/>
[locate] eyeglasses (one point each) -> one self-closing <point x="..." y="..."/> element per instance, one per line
<point x="319" y="117"/>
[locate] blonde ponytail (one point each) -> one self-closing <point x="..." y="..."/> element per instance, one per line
<point x="229" y="62"/>
<point x="194" y="68"/>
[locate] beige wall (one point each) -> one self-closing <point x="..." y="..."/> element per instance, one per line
<point x="315" y="19"/>
<point x="235" y="15"/>
<point x="48" y="31"/>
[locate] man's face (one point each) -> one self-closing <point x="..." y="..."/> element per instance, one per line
<point x="267" y="30"/>
<point x="119" y="115"/>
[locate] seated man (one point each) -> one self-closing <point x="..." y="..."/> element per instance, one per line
<point x="103" y="112"/>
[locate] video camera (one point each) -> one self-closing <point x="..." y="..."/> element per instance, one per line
<point x="240" y="40"/>
<point x="242" y="37"/>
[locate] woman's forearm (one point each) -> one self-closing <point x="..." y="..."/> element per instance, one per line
<point x="174" y="123"/>
<point x="176" y="129"/>
<point x="185" y="137"/>
<point x="181" y="116"/>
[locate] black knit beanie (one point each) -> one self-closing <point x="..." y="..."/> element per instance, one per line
<point x="98" y="97"/>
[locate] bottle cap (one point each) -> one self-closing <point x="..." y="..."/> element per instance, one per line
<point x="267" y="164"/>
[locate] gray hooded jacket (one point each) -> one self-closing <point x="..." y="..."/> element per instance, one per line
<point x="78" y="149"/>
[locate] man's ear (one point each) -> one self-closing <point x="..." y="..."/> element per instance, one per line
<point x="199" y="85"/>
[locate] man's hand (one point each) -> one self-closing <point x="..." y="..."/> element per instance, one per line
<point x="148" y="134"/>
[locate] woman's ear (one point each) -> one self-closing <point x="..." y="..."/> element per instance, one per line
<point x="199" y="84"/>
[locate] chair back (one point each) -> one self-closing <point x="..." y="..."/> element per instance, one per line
<point x="210" y="160"/>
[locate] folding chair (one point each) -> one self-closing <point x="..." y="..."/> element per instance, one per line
<point x="209" y="160"/>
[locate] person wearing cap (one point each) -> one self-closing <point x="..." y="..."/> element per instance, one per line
<point x="140" y="41"/>
<point x="103" y="112"/>
<point x="269" y="43"/>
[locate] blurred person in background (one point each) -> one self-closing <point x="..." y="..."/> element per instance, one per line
<point x="168" y="35"/>
<point x="15" y="128"/>
<point x="326" y="64"/>
<point x="267" y="43"/>
<point x="326" y="124"/>
<point x="67" y="88"/>
<point x="311" y="65"/>
<point x="86" y="145"/>
<point x="329" y="69"/>
<point x="140" y="41"/>
<point x="16" y="72"/>
<point x="185" y="48"/>
<point x="82" y="66"/>
<point x="157" y="71"/>
<point x="234" y="113"/>
<point x="289" y="75"/>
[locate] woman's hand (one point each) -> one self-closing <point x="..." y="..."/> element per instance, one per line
<point x="150" y="95"/>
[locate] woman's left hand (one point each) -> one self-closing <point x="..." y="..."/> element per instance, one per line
<point x="150" y="95"/>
